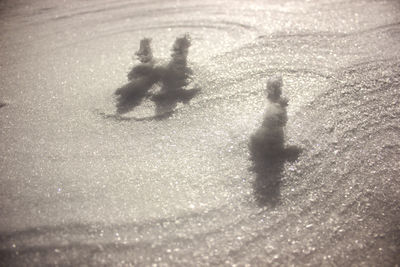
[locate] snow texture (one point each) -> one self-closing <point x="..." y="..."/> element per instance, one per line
<point x="158" y="173"/>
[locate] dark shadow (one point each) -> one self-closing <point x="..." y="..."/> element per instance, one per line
<point x="267" y="149"/>
<point x="268" y="169"/>
<point x="2" y="104"/>
<point x="172" y="78"/>
<point x="175" y="77"/>
<point x="167" y="101"/>
<point x="141" y="78"/>
<point x="132" y="94"/>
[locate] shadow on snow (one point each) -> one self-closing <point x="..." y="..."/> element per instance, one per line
<point x="172" y="80"/>
<point x="267" y="150"/>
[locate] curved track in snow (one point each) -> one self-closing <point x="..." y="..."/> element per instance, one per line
<point x="82" y="185"/>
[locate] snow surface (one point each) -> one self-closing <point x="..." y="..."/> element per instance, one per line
<point x="82" y="184"/>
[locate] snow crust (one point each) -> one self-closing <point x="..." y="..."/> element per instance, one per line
<point x="230" y="174"/>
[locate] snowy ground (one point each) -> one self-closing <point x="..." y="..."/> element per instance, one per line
<point x="81" y="185"/>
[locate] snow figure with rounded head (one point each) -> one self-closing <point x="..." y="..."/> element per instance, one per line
<point x="176" y="75"/>
<point x="175" y="78"/>
<point x="145" y="54"/>
<point x="268" y="140"/>
<point x="267" y="146"/>
<point x="141" y="79"/>
<point x="146" y="67"/>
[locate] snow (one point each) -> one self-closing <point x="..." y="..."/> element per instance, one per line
<point x="85" y="184"/>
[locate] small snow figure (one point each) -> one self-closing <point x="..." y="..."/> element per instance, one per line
<point x="146" y="67"/>
<point x="141" y="79"/>
<point x="268" y="140"/>
<point x="176" y="75"/>
<point x="145" y="54"/>
<point x="267" y="146"/>
<point x="180" y="50"/>
<point x="274" y="91"/>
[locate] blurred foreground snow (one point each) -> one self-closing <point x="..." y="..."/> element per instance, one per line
<point x="82" y="187"/>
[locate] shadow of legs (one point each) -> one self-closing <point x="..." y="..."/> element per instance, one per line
<point x="268" y="179"/>
<point x="168" y="100"/>
<point x="132" y="94"/>
<point x="268" y="168"/>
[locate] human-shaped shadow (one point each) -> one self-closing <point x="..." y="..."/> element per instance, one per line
<point x="141" y="78"/>
<point x="174" y="78"/>
<point x="267" y="149"/>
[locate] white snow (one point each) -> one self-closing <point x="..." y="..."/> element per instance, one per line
<point x="84" y="185"/>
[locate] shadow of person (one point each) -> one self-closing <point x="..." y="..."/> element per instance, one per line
<point x="132" y="94"/>
<point x="175" y="77"/>
<point x="269" y="170"/>
<point x="267" y="150"/>
<point x="141" y="78"/>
